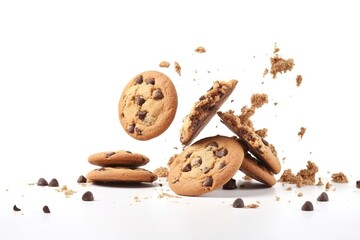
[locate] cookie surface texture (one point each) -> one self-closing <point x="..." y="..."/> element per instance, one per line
<point x="258" y="146"/>
<point x="204" y="109"/>
<point x="205" y="165"/>
<point x="118" y="158"/>
<point x="121" y="174"/>
<point x="147" y="105"/>
<point x="256" y="170"/>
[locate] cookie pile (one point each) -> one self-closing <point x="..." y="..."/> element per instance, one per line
<point x="119" y="166"/>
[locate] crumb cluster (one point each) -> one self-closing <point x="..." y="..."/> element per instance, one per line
<point x="162" y="171"/>
<point x="303" y="177"/>
<point x="339" y="178"/>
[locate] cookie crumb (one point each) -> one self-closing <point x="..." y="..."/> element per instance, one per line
<point x="177" y="68"/>
<point x="319" y="183"/>
<point x="280" y="65"/>
<point x="328" y="186"/>
<point x="277" y="198"/>
<point x="253" y="205"/>
<point x="247" y="178"/>
<point x="164" y="64"/>
<point x="339" y="178"/>
<point x="262" y="132"/>
<point x="161" y="195"/>
<point x="258" y="100"/>
<point x="266" y="71"/>
<point x="200" y="50"/>
<point x="298" y="80"/>
<point x="162" y="172"/>
<point x="303" y="177"/>
<point x="171" y="159"/>
<point x="301" y="132"/>
<point x="288" y="189"/>
<point x="300" y="194"/>
<point x="66" y="191"/>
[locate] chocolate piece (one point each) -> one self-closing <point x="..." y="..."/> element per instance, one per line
<point x="53" y="183"/>
<point x="221" y="152"/>
<point x="187" y="168"/>
<point x="150" y="81"/>
<point x="81" y="179"/>
<point x="42" y="182"/>
<point x="88" y="196"/>
<point x="139" y="100"/>
<point x="323" y="197"/>
<point x="231" y="184"/>
<point x="139" y="79"/>
<point x="157" y="94"/>
<point x="238" y="203"/>
<point x="131" y="128"/>
<point x="196" y="162"/>
<point x="141" y="114"/>
<point x="138" y="131"/>
<point x="208" y="182"/>
<point x="188" y="155"/>
<point x="222" y="165"/>
<point x="109" y="154"/>
<point x="46" y="209"/>
<point x="307" y="206"/>
<point x="16" y="209"/>
<point x="358" y="184"/>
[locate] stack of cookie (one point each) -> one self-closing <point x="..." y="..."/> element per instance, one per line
<point x="119" y="166"/>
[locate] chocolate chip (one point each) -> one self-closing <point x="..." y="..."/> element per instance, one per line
<point x="128" y="152"/>
<point x="138" y="131"/>
<point x="195" y="123"/>
<point x="109" y="154"/>
<point x="150" y="81"/>
<point x="308" y="206"/>
<point x="81" y="179"/>
<point x="222" y="165"/>
<point x="16" y="209"/>
<point x="88" y="196"/>
<point x="131" y="128"/>
<point x="231" y="184"/>
<point x="187" y="168"/>
<point x="205" y="169"/>
<point x="208" y="182"/>
<point x="221" y="152"/>
<point x="358" y="184"/>
<point x="46" y="209"/>
<point x="238" y="203"/>
<point x="139" y="79"/>
<point x="213" y="144"/>
<point x="141" y="114"/>
<point x="42" y="182"/>
<point x="157" y="94"/>
<point x="323" y="197"/>
<point x="265" y="142"/>
<point x="53" y="183"/>
<point x="196" y="162"/>
<point x="188" y="155"/>
<point x="139" y="100"/>
<point x="201" y="98"/>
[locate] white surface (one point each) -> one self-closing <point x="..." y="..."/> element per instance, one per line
<point x="63" y="66"/>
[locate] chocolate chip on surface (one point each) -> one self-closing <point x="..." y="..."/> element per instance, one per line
<point x="42" y="182"/>
<point x="323" y="197"/>
<point x="131" y="128"/>
<point x="307" y="206"/>
<point x="358" y="184"/>
<point x="150" y="81"/>
<point x="208" y="182"/>
<point x="231" y="184"/>
<point x="157" y="94"/>
<point x="238" y="203"/>
<point x="54" y="183"/>
<point x="139" y="79"/>
<point x="187" y="168"/>
<point x="141" y="114"/>
<point x="81" y="179"/>
<point x="88" y="196"/>
<point x="139" y="100"/>
<point x="46" y="209"/>
<point x="16" y="209"/>
<point x="221" y="152"/>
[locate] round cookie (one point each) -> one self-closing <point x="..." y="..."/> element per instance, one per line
<point x="204" y="109"/>
<point x="121" y="174"/>
<point x="147" y="105"/>
<point x="205" y="165"/>
<point x="118" y="158"/>
<point x="253" y="168"/>
<point x="258" y="146"/>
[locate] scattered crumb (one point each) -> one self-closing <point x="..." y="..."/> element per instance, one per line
<point x="266" y="71"/>
<point x="31" y="184"/>
<point x="276" y="103"/>
<point x="277" y="198"/>
<point x="162" y="171"/>
<point x="253" y="205"/>
<point x="339" y="178"/>
<point x="301" y="132"/>
<point x="161" y="195"/>
<point x="276" y="49"/>
<point x="66" y="191"/>
<point x="328" y="186"/>
<point x="247" y="178"/>
<point x="200" y="50"/>
<point x="258" y="100"/>
<point x="164" y="64"/>
<point x="262" y="132"/>
<point x="300" y="194"/>
<point x="280" y="65"/>
<point x="319" y="183"/>
<point x="178" y="68"/>
<point x="136" y="199"/>
<point x="303" y="177"/>
<point x="288" y="189"/>
<point x="298" y="80"/>
<point x="171" y="159"/>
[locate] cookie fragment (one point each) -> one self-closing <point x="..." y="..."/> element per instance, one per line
<point x="339" y="177"/>
<point x="164" y="64"/>
<point x="280" y="65"/>
<point x="177" y="68"/>
<point x="200" y="50"/>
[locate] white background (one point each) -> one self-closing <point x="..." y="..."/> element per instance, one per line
<point x="63" y="65"/>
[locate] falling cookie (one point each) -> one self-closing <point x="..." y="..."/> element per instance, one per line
<point x="205" y="165"/>
<point x="256" y="170"/>
<point x="147" y="105"/>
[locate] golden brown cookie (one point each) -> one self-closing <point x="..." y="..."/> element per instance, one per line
<point x="256" y="170"/>
<point x="147" y="105"/>
<point x="258" y="146"/>
<point x="121" y="174"/>
<point x="204" y="109"/>
<point x="118" y="158"/>
<point x="205" y="165"/>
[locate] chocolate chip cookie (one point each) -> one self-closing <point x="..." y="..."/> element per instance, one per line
<point x="147" y="105"/>
<point x="118" y="158"/>
<point x="204" y="109"/>
<point x="205" y="165"/>
<point x="255" y="169"/>
<point x="120" y="174"/>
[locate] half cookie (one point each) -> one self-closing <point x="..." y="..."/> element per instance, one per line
<point x="204" y="109"/>
<point x="205" y="165"/>
<point x="118" y="158"/>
